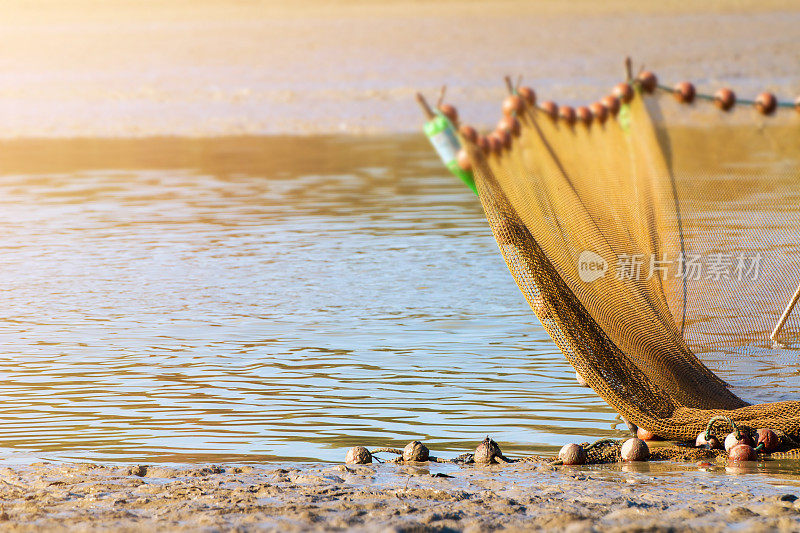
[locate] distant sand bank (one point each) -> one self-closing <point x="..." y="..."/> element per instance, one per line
<point x="207" y="68"/>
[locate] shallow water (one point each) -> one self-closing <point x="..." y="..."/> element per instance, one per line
<point x="243" y="299"/>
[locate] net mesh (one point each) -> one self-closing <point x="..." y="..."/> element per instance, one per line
<point x="640" y="243"/>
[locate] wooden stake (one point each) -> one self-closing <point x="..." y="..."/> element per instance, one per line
<point x="628" y="69"/>
<point x="509" y="85"/>
<point x="785" y="315"/>
<point x="425" y="107"/>
<point x="440" y="101"/>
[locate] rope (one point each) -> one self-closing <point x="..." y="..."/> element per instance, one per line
<point x="386" y="450"/>
<point x="724" y="419"/>
<point x="710" y="98"/>
<point x="598" y="442"/>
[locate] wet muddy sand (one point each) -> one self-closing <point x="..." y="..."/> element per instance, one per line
<point x="310" y="497"/>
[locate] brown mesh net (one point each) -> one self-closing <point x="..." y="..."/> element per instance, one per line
<point x="640" y="242"/>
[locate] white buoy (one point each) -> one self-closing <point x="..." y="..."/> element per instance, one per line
<point x="572" y="454"/>
<point x="635" y="450"/>
<point x="358" y="455"/>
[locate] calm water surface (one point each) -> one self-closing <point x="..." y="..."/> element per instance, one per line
<point x="263" y="298"/>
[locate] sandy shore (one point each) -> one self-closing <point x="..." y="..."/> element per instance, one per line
<point x="648" y="497"/>
<point x="125" y="68"/>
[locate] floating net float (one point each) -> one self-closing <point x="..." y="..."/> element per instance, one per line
<point x="700" y="225"/>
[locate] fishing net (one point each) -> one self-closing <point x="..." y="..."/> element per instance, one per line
<point x="642" y="241"/>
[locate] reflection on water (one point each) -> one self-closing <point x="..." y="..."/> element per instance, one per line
<point x="255" y="298"/>
<point x="241" y="299"/>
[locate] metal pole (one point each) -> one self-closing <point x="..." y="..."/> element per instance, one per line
<point x="785" y="315"/>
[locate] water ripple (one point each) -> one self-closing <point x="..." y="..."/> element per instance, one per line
<point x="236" y="299"/>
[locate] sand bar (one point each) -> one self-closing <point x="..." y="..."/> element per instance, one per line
<point x="123" y="68"/>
